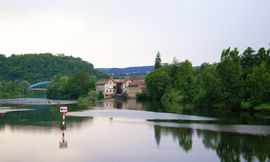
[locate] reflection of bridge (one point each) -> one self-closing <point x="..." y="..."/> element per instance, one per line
<point x="36" y="86"/>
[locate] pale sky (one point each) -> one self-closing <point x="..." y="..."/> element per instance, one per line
<point x="123" y="33"/>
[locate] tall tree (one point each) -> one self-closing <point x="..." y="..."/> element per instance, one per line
<point x="248" y="61"/>
<point x="157" y="82"/>
<point x="258" y="85"/>
<point x="229" y="71"/>
<point x="185" y="80"/>
<point x="207" y="86"/>
<point x="157" y="61"/>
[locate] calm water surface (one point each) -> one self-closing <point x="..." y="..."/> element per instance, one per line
<point x="117" y="131"/>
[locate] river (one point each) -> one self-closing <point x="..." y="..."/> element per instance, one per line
<point x="131" y="131"/>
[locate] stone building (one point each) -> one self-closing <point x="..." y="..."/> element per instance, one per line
<point x="137" y="86"/>
<point x="113" y="87"/>
<point x="106" y="86"/>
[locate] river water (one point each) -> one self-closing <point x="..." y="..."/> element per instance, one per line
<point x="125" y="131"/>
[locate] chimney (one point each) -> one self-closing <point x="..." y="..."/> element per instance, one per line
<point x="110" y="77"/>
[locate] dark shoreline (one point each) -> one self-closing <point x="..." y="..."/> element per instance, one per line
<point x="36" y="101"/>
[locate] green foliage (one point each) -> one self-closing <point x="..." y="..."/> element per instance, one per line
<point x="230" y="71"/>
<point x="42" y="67"/>
<point x="91" y="98"/>
<point x="57" y="89"/>
<point x="144" y="96"/>
<point x="185" y="80"/>
<point x="237" y="82"/>
<point x="157" y="61"/>
<point x="100" y="96"/>
<point x="157" y="83"/>
<point x="245" y="105"/>
<point x="172" y="96"/>
<point x="74" y="87"/>
<point x="79" y="85"/>
<point x="14" y="89"/>
<point x="208" y="86"/>
<point x="84" y="101"/>
<point x="258" y="84"/>
<point x="93" y="95"/>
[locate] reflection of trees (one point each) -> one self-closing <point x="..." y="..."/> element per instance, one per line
<point x="40" y="116"/>
<point x="231" y="146"/>
<point x="184" y="135"/>
<point x="157" y="130"/>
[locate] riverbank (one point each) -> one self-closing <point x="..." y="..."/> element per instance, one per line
<point x="36" y="101"/>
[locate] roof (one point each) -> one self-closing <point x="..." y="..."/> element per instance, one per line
<point x="137" y="78"/>
<point x="102" y="81"/>
<point x="138" y="82"/>
<point x="134" y="81"/>
<point x="118" y="80"/>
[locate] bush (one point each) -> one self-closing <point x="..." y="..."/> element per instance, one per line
<point x="172" y="96"/>
<point x="144" y="96"/>
<point x="100" y="96"/>
<point x="84" y="101"/>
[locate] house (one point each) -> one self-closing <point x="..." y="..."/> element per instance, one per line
<point x="107" y="87"/>
<point x="112" y="87"/>
<point x="137" y="86"/>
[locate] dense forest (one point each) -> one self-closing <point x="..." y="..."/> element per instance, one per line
<point x="238" y="81"/>
<point x="42" y="67"/>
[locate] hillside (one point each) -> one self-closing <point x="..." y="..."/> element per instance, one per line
<point x="129" y="71"/>
<point x="41" y="67"/>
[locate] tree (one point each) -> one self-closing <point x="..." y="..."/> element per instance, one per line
<point x="185" y="80"/>
<point x="57" y="89"/>
<point x="23" y="86"/>
<point x="208" y="86"/>
<point x="157" y="82"/>
<point x="157" y="61"/>
<point x="229" y="70"/>
<point x="248" y="61"/>
<point x="261" y="56"/>
<point x="258" y="85"/>
<point x="40" y="67"/>
<point x="79" y="85"/>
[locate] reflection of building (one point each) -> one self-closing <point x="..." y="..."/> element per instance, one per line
<point x="112" y="87"/>
<point x="130" y="104"/>
<point x="108" y="103"/>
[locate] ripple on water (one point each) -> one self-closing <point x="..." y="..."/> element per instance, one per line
<point x="146" y="116"/>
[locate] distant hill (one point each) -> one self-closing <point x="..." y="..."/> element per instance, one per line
<point x="42" y="67"/>
<point x="127" y="72"/>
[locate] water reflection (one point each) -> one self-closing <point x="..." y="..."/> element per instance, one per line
<point x="130" y="104"/>
<point x="107" y="139"/>
<point x="183" y="136"/>
<point x="44" y="117"/>
<point x="228" y="146"/>
<point x="63" y="142"/>
<point x="233" y="146"/>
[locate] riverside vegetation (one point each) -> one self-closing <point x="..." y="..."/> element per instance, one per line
<point x="17" y="72"/>
<point x="80" y="86"/>
<point x="238" y="81"/>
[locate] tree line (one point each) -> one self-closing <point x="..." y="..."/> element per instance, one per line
<point x="42" y="67"/>
<point x="14" y="89"/>
<point x="238" y="81"/>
